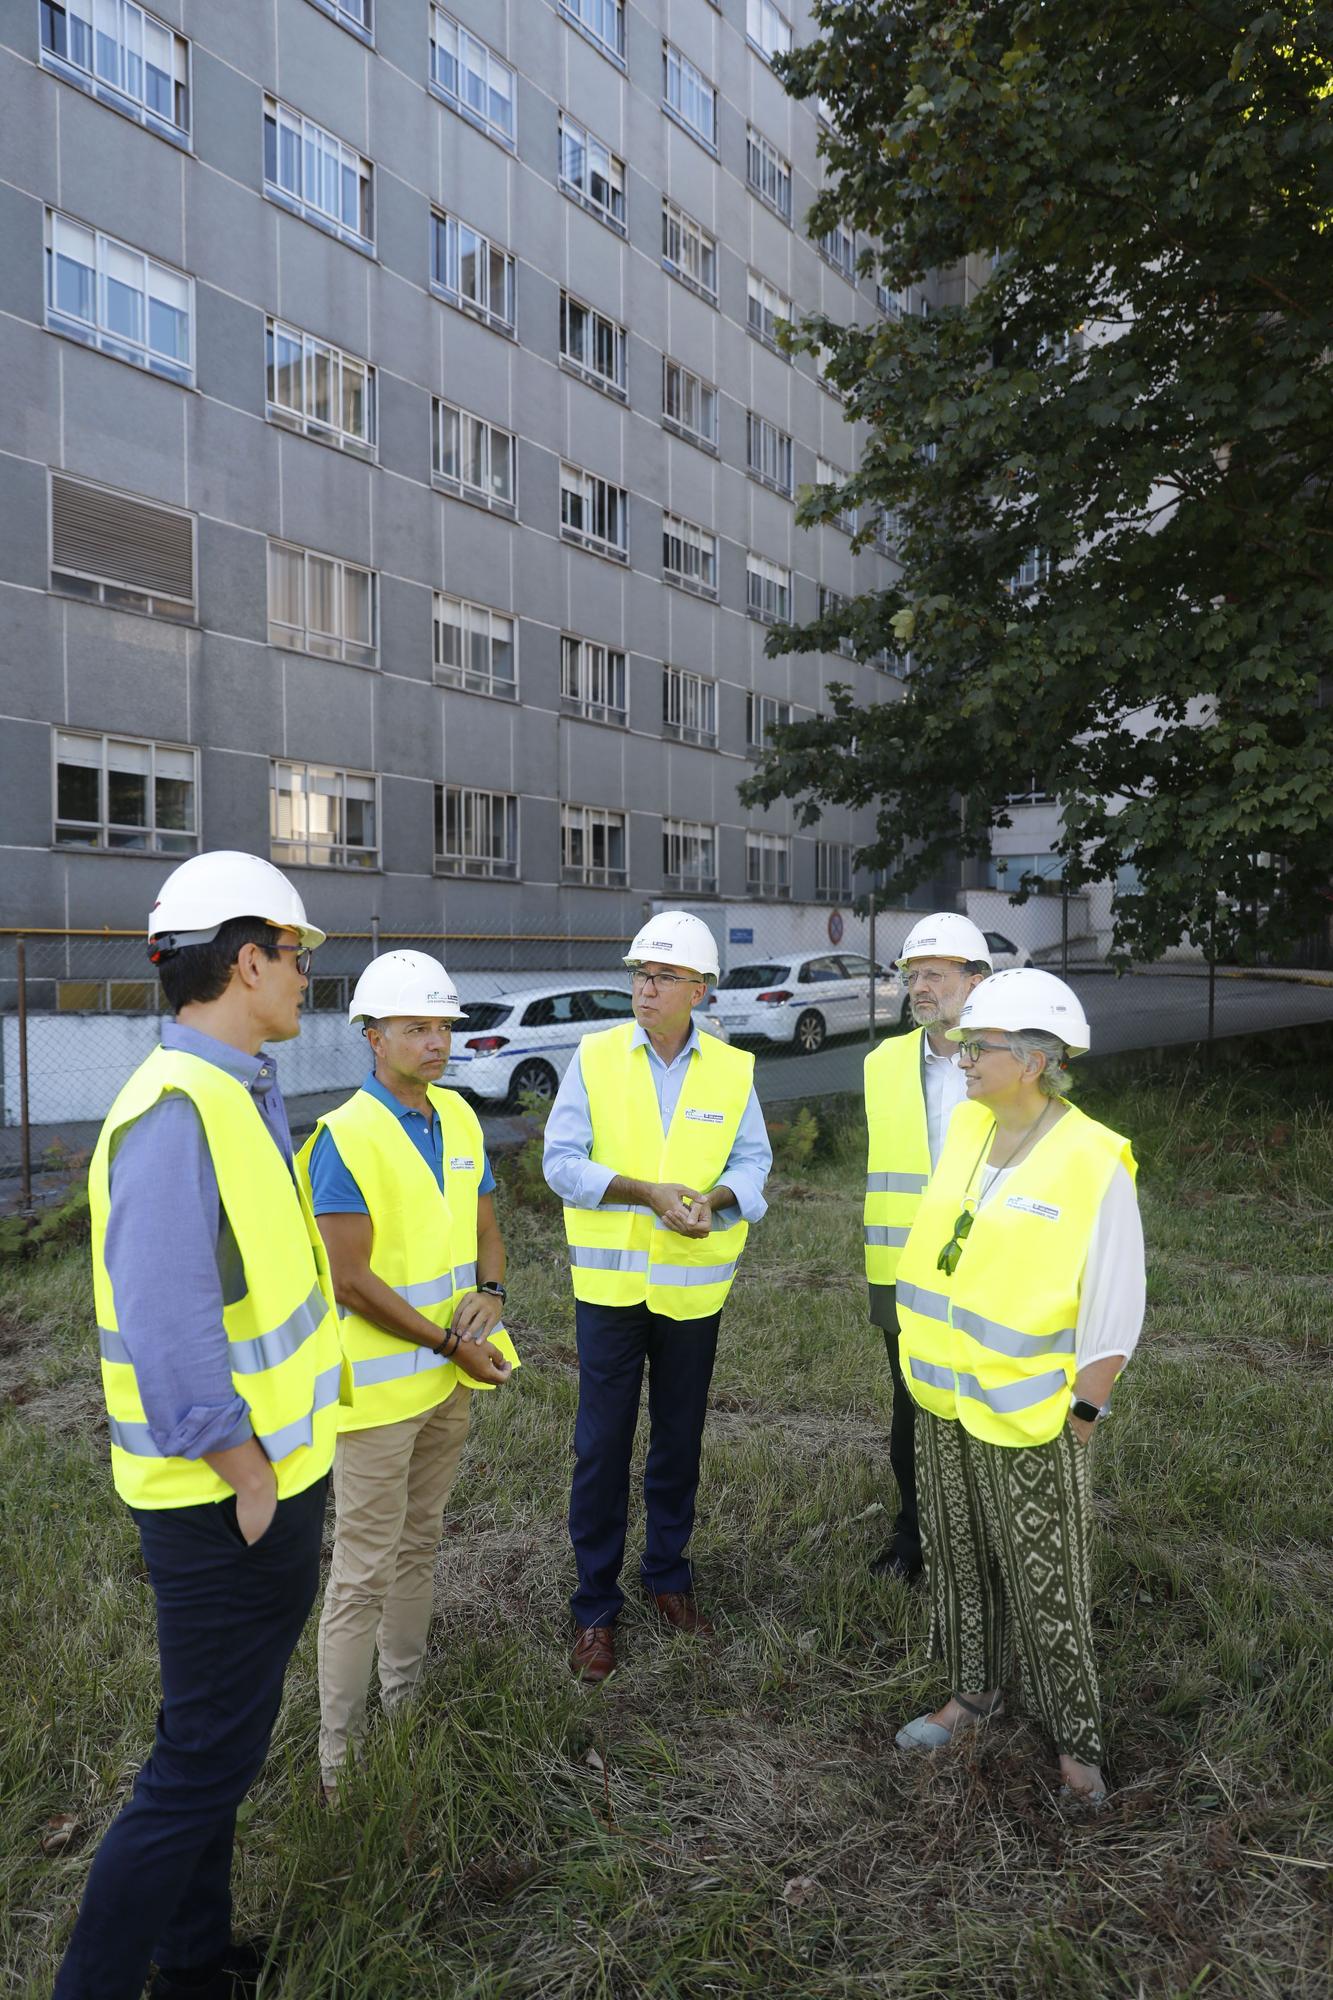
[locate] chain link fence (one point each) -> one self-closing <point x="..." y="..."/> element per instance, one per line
<point x="80" y="1009"/>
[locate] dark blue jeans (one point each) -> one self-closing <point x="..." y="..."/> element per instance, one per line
<point x="228" y="1619"/>
<point x="614" y="1343"/>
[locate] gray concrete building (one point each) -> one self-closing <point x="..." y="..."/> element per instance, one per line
<point x="397" y="467"/>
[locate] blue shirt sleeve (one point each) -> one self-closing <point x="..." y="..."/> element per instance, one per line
<point x="565" y="1163"/>
<point x="747" y="1167"/>
<point x="162" y="1259"/>
<point x="487" y="1183"/>
<point x="332" y="1189"/>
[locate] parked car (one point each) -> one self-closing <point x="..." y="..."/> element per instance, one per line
<point x="1005" y="954"/>
<point x="517" y="1043"/>
<point x="805" y="999"/>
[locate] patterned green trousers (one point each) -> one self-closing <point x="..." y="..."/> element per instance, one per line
<point x="1005" y="1533"/>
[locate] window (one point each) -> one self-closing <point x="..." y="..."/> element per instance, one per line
<point x="132" y="61"/>
<point x="689" y="555"/>
<point x="688" y="96"/>
<point x="471" y="272"/>
<point x="767" y="590"/>
<point x="318" y="390"/>
<point x="689" y="857"/>
<point x="828" y="474"/>
<point x="823" y="363"/>
<point x="765" y="305"/>
<point x="689" y="252"/>
<point x="764" y="713"/>
<point x="591" y="174"/>
<point x="767" y="28"/>
<point x="767" y="452"/>
<point x="321" y="817"/>
<point x="473" y="458"/>
<point x="354" y="15"/>
<point x="116" y="794"/>
<point x="475" y="648"/>
<point x="476" y="833"/>
<point x="108" y="996"/>
<point x="320" y="604"/>
<point x="603" y="21"/>
<point x="118" y="550"/>
<point x="1034" y="569"/>
<point x="472" y="80"/>
<point x="115" y="298"/>
<point x="768" y="174"/>
<point x="592" y="847"/>
<point x="689" y="405"/>
<point x="767" y="864"/>
<point x="831" y="605"/>
<point x="689" y="706"/>
<point x="593" y="346"/>
<point x="592" y="681"/>
<point x="833" y="873"/>
<point x="594" y="513"/>
<point x="888" y="531"/>
<point x="839" y="249"/>
<point x="315" y="175"/>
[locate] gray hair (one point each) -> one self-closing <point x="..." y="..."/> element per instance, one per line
<point x="1025" y="1042"/>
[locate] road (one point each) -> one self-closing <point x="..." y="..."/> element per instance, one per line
<point x="1141" y="1011"/>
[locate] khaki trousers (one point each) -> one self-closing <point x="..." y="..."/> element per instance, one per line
<point x="390" y="1484"/>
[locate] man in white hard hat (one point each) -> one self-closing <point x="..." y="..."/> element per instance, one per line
<point x="912" y="1085"/>
<point x="656" y="1146"/>
<point x="222" y="1376"/>
<point x="404" y="1198"/>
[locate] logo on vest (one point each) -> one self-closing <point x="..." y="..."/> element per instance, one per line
<point x="1029" y="1207"/>
<point x="461" y="1166"/>
<point x="704" y="1117"/>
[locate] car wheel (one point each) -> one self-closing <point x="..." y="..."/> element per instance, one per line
<point x="811" y="1033"/>
<point x="535" y="1077"/>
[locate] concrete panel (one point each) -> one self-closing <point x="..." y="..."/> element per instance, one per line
<point x="25" y="786"/>
<point x="478" y="551"/>
<point x="475" y="368"/>
<point x="402" y="233"/>
<point x="321" y="71"/>
<point x="402" y="116"/>
<point x="325" y="498"/>
<point x="478" y="741"/>
<point x="234" y="464"/>
<point x="405" y="449"/>
<point x="30" y="407"/>
<point x="229" y="350"/>
<point x="34" y="104"/>
<point x="233" y="580"/>
<point x="407" y="728"/>
<point x="593" y="759"/>
<point x="407" y="836"/>
<point x="229" y="114"/>
<point x="539" y="669"/>
<point x="646" y="615"/>
<point x="231" y="234"/>
<point x="121" y="178"/>
<point x="122" y="425"/>
<point x="241" y="33"/>
<point x="539" y="395"/>
<point x="593" y="598"/>
<point x="329" y="712"/>
<point x="473" y="176"/>
<point x="406" y="636"/>
<point x="22" y="272"/>
<point x="237" y="701"/>
<point x="323" y="287"/>
<point x="235" y="792"/>
<point x="31" y="648"/>
<point x="25" y="511"/>
<point x="124" y="672"/>
<point x="596" y="259"/>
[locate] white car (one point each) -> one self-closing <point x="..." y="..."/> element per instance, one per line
<point x="1004" y="953"/>
<point x="515" y="1043"/>
<point x="804" y="999"/>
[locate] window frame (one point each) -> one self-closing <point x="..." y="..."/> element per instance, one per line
<point x="96" y="333"/>
<point x="689" y="881"/>
<point x="764" y="712"/>
<point x="85" y="77"/>
<point x="763" y="328"/>
<point x="456" y="485"/>
<point x="576" y="479"/>
<point x="615" y="175"/>
<point x="504" y="867"/>
<point x="591" y="874"/>
<point x="692" y="538"/>
<point x="769" y="575"/>
<point x="764" y="844"/>
<point x="765" y="441"/>
<point x="706" y="441"/>
<point x="827" y="852"/>
<point x="101" y="827"/>
<point x="837" y="247"/>
<point x="617" y="385"/>
<point x="774" y="166"/>
<point x="92" y="586"/>
<point x="689" y="230"/>
<point x="690" y="83"/>
<point x="340" y="852"/>
<point x="446" y="252"/>
<point x="339" y="361"/>
<point x="341" y="13"/>
<point x="456" y="100"/>
<point x="829" y="474"/>
<point x="758" y="14"/>
<point x="573" y="11"/>
<point x="465" y="677"/>
<point x="593" y="659"/>
<point x="830" y="602"/>
<point x="306" y="638"/>
<point x="275" y="109"/>
<point x="677" y="728"/>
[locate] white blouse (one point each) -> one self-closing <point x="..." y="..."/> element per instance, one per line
<point x="1114" y="1290"/>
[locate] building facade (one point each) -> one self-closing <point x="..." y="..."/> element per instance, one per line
<point x="398" y="468"/>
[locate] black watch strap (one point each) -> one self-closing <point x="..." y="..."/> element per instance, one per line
<point x="1087" y="1413"/>
<point x="495" y="1288"/>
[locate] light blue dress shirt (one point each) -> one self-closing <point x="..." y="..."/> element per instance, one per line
<point x="581" y="1183"/>
<point x="334" y="1190"/>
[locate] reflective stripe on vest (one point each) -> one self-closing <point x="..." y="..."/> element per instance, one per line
<point x="281" y="1334"/>
<point x="898" y="1157"/>
<point x="423" y="1246"/>
<point x="620" y="1254"/>
<point x="979" y="1346"/>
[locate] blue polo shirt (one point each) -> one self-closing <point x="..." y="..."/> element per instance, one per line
<point x="333" y="1190"/>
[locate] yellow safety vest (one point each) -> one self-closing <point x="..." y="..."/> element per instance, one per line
<point x="424" y="1247"/>
<point x="993" y="1346"/>
<point x="282" y="1335"/>
<point x="898" y="1159"/>
<point x="621" y="1255"/>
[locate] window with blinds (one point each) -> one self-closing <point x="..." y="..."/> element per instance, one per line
<point x="118" y="550"/>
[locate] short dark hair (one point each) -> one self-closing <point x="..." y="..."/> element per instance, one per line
<point x="975" y="965"/>
<point x="203" y="971"/>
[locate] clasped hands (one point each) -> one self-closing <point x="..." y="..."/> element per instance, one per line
<point x="680" y="1207"/>
<point x="475" y="1318"/>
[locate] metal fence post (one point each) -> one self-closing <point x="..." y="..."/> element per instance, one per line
<point x="374" y="937"/>
<point x="1212" y="987"/>
<point x="874" y="970"/>
<point x="1064" y="925"/>
<point x="25" y="1128"/>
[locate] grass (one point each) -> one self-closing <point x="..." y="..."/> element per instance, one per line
<point x="736" y="1821"/>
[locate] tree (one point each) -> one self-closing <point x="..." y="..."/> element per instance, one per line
<point x="1131" y="406"/>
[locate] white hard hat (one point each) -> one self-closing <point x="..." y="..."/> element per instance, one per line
<point x="405" y="982"/>
<point x="946" y="935"/>
<point x="208" y="890"/>
<point x="1026" y="998"/>
<point x="676" y="938"/>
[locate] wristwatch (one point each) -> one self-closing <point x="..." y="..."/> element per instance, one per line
<point x="1088" y="1413"/>
<point x="495" y="1288"/>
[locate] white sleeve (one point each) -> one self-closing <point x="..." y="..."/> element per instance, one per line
<point x="1111" y="1301"/>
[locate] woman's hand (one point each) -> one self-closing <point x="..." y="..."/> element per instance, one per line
<point x="1081" y="1428"/>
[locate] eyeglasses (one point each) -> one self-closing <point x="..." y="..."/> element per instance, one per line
<point x="971" y="1050"/>
<point x="947" y="1261"/>
<point x="304" y="954"/>
<point x="663" y="981"/>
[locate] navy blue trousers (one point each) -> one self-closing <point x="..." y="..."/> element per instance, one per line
<point x="615" y="1343"/>
<point x="228" y="1619"/>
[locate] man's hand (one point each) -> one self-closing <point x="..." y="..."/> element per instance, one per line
<point x="681" y="1208"/>
<point x="256" y="1505"/>
<point x="477" y="1315"/>
<point x="481" y="1362"/>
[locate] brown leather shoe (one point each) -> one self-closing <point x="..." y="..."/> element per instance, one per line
<point x="594" y="1654"/>
<point x="679" y="1608"/>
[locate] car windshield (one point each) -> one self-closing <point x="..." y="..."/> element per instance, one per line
<point x="750" y="976"/>
<point x="485" y="1014"/>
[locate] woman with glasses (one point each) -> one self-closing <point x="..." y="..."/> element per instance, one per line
<point x="1020" y="1296"/>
